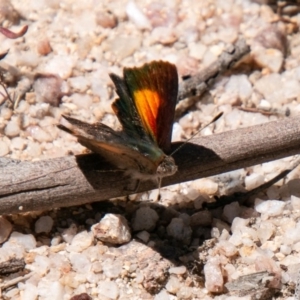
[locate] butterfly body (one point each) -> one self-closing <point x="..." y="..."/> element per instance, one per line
<point x="145" y="109"/>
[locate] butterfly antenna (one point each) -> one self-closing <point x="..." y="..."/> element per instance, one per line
<point x="206" y="125"/>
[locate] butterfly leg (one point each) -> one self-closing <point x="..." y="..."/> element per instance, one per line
<point x="159" y="180"/>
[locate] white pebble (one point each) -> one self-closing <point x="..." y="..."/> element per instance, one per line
<point x="80" y="263"/>
<point x="197" y="50"/>
<point x="226" y="248"/>
<point x="270" y="208"/>
<point x="12" y="128"/>
<point x="269" y="58"/>
<point x="239" y="223"/>
<point x="268" y="84"/>
<point x="292" y="235"/>
<point x="253" y="180"/>
<point x="185" y="292"/>
<point x="113" y="229"/>
<point x="178" y="230"/>
<point x="143" y="236"/>
<point x="82" y="101"/>
<point x="162" y="295"/>
<point x="112" y="268"/>
<point x="30" y="291"/>
<point x="79" y="84"/>
<point x="6" y="113"/>
<point x="43" y="224"/>
<point x="239" y="85"/>
<point x="33" y="149"/>
<point x="81" y="241"/>
<point x="123" y="46"/>
<point x="145" y="219"/>
<point x="5" y="229"/>
<point x="178" y="270"/>
<point x="39" y="134"/>
<point x="265" y="231"/>
<point x="26" y="240"/>
<point x="173" y="284"/>
<point x="17" y="143"/>
<point x="213" y="277"/>
<point x="205" y="186"/>
<point x="69" y="233"/>
<point x="286" y="250"/>
<point x="136" y="16"/>
<point x="51" y="290"/>
<point x="61" y="65"/>
<point x="108" y="289"/>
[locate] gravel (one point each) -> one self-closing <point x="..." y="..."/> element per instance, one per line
<point x="171" y="249"/>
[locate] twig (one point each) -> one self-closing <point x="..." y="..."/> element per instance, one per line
<point x="242" y="197"/>
<point x="12" y="266"/>
<point x="199" y="83"/>
<point x="13" y="35"/>
<point x="67" y="181"/>
<point x="12" y="282"/>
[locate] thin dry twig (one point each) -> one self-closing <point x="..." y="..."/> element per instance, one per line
<point x="242" y="197"/>
<point x="13" y="35"/>
<point x="199" y="83"/>
<point x="12" y="282"/>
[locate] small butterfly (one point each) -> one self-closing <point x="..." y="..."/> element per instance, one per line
<point x="145" y="109"/>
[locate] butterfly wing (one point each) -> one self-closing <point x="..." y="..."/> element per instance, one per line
<point x="110" y="144"/>
<point x="153" y="90"/>
<point x="126" y="112"/>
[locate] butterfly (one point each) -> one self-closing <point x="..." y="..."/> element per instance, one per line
<point x="145" y="108"/>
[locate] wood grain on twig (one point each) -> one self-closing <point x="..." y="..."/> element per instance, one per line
<point x="77" y="180"/>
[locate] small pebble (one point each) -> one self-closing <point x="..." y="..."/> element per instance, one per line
<point x="81" y="241"/>
<point x="108" y="289"/>
<point x="12" y="128"/>
<point x="270" y="208"/>
<point x="69" y="233"/>
<point x="145" y="219"/>
<point x="253" y="180"/>
<point x="214" y="281"/>
<point x="173" y="284"/>
<point x="231" y="211"/>
<point x="112" y="229"/>
<point x="18" y="143"/>
<point x="143" y="235"/>
<point x="201" y="218"/>
<point x="179" y="231"/>
<point x="44" y="224"/>
<point x="178" y="270"/>
<point x="26" y="240"/>
<point x="137" y="16"/>
<point x="48" y="89"/>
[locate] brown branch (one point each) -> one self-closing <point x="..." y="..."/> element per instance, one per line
<point x="67" y="181"/>
<point x="202" y="81"/>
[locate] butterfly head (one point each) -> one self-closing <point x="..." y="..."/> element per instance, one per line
<point x="167" y="167"/>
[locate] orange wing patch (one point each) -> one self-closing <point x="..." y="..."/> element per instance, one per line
<point x="147" y="103"/>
